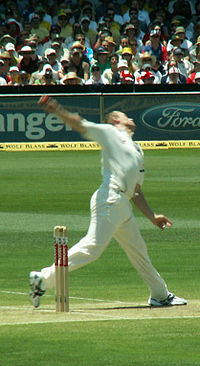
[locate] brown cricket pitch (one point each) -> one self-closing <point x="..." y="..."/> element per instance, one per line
<point x="88" y="311"/>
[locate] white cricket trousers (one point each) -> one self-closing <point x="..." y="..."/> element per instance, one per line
<point x="112" y="220"/>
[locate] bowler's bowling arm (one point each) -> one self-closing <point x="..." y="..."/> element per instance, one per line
<point x="71" y="119"/>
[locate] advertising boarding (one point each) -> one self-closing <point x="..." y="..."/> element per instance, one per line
<point x="160" y="119"/>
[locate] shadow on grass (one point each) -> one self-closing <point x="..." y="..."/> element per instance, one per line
<point x="123" y="307"/>
<point x="135" y="307"/>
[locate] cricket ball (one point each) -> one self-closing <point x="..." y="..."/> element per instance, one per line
<point x="44" y="99"/>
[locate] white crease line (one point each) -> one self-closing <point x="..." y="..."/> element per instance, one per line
<point x="14" y="293"/>
<point x="100" y="300"/>
<point x="71" y="297"/>
<point x="114" y="302"/>
<point x="97" y="320"/>
<point x="20" y="293"/>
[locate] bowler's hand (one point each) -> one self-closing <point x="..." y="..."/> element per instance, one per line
<point x="49" y="104"/>
<point x="73" y="120"/>
<point x="162" y="221"/>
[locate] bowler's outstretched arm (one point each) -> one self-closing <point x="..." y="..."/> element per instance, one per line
<point x="159" y="220"/>
<point x="71" y="119"/>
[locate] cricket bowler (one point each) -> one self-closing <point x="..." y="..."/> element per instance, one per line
<point x="111" y="205"/>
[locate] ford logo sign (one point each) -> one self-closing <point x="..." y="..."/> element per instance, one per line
<point x="179" y="117"/>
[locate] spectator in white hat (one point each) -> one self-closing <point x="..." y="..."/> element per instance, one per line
<point x="173" y="77"/>
<point x="185" y="66"/>
<point x="10" y="48"/>
<point x="64" y="67"/>
<point x="121" y="66"/>
<point x="50" y="54"/>
<point x="14" y="74"/>
<point x="47" y="76"/>
<point x="29" y="60"/>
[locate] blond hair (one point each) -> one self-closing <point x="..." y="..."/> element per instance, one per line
<point x="109" y="117"/>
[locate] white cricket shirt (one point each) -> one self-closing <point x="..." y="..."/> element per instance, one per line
<point x="122" y="158"/>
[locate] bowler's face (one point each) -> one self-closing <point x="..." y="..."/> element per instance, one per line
<point x="126" y="121"/>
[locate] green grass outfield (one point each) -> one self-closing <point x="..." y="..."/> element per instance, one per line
<point x="109" y="321"/>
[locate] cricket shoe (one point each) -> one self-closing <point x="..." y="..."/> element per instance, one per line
<point x="36" y="288"/>
<point x="171" y="300"/>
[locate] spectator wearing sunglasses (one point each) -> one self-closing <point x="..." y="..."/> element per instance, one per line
<point x="96" y="77"/>
<point x="29" y="60"/>
<point x="184" y="66"/>
<point x="23" y="78"/>
<point x="88" y="51"/>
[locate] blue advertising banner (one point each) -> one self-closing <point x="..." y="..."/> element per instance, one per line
<point x="158" y="116"/>
<point x="23" y="120"/>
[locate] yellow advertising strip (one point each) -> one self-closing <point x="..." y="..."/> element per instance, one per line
<point x="89" y="145"/>
<point x="49" y="146"/>
<point x="173" y="144"/>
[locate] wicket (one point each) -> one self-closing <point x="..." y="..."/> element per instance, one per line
<point x="61" y="269"/>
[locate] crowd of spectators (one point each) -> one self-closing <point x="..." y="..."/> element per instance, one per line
<point x="81" y="42"/>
